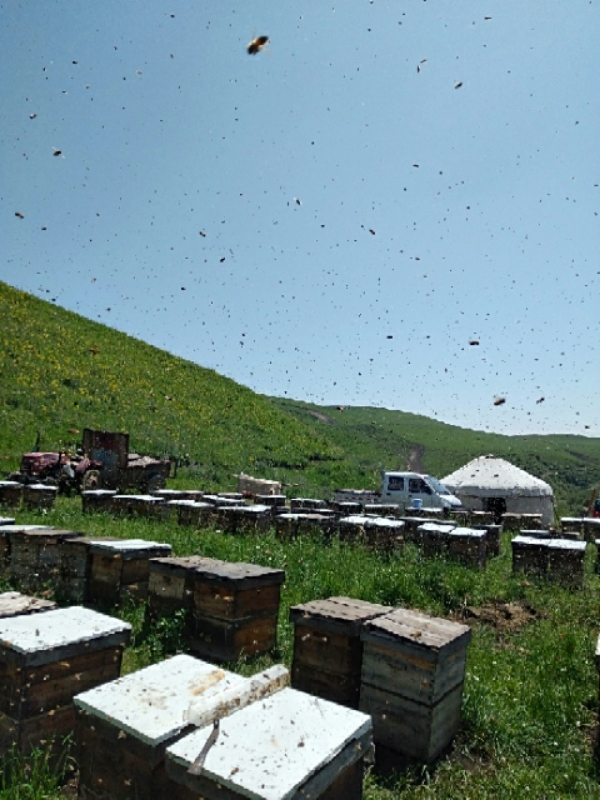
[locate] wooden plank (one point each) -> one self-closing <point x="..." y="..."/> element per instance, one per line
<point x="414" y="632"/>
<point x="244" y="576"/>
<point x="417" y="731"/>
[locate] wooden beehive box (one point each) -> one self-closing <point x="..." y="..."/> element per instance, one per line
<point x="529" y="555"/>
<point x="289" y="745"/>
<point x="275" y="501"/>
<point x="7" y="521"/>
<point x="75" y="563"/>
<point x="591" y="528"/>
<point x="481" y="518"/>
<point x="432" y="539"/>
<point x="245" y="519"/>
<point x="565" y="561"/>
<point x="412" y="679"/>
<point x="38" y="496"/>
<point x="119" y="570"/>
<point x="45" y="660"/>
<point x="193" y="512"/>
<point x="467" y="546"/>
<point x="97" y="500"/>
<point x="378" y="533"/>
<point x="35" y="557"/>
<point x="6" y="533"/>
<point x="147" y="506"/>
<point x="290" y="526"/>
<point x="10" y="494"/>
<point x="171" y="584"/>
<point x="235" y="610"/>
<point x="14" y="603"/>
<point x="328" y="649"/>
<point x="124" y="727"/>
<point x="492" y="539"/>
<point x="412" y="525"/>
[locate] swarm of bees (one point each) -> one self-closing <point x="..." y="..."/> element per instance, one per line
<point x="256" y="45"/>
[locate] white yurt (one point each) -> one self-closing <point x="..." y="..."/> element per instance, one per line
<point x="493" y="484"/>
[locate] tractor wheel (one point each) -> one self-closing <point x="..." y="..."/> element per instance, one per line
<point x="155" y="483"/>
<point x="91" y="480"/>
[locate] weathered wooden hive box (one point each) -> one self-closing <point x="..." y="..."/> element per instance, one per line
<point x="289" y="745"/>
<point x="235" y="610"/>
<point x="412" y="680"/>
<point x="7" y="521"/>
<point x="275" y="501"/>
<point x="6" y="533"/>
<point x="467" y="546"/>
<point x="515" y="522"/>
<point x="530" y="555"/>
<point x="565" y="561"/>
<point x="139" y="505"/>
<point x="290" y="526"/>
<point x="383" y="510"/>
<point x="193" y="512"/>
<point x="412" y="525"/>
<point x="432" y="539"/>
<point x="10" y="494"/>
<point x="119" y="569"/>
<point x="328" y="649"/>
<point x="379" y="533"/>
<point x="45" y="660"/>
<point x="94" y="501"/>
<point x="480" y="517"/>
<point x="35" y="557"/>
<point x="346" y="508"/>
<point x="75" y="563"/>
<point x="308" y="504"/>
<point x="124" y="727"/>
<point x="245" y="519"/>
<point x="492" y="538"/>
<point x="171" y="584"/>
<point x="38" y="496"/>
<point x="14" y="603"/>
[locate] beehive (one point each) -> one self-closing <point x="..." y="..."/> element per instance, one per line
<point x="492" y="538"/>
<point x="7" y="521"/>
<point x="35" y="557"/>
<point x="412" y="524"/>
<point x="10" y="494"/>
<point x="45" y="660"/>
<point x="328" y="649"/>
<point x="38" y="496"/>
<point x="290" y="526"/>
<point x="139" y="505"/>
<point x="171" y="584"/>
<point x="514" y="522"/>
<point x="6" y="533"/>
<point x="529" y="555"/>
<point x="346" y="508"/>
<point x="13" y="603"/>
<point x="124" y="727"/>
<point x="467" y="546"/>
<point x="192" y="512"/>
<point x="235" y="610"/>
<point x="119" y="570"/>
<point x="480" y="517"/>
<point x="565" y="561"/>
<point x="74" y="569"/>
<point x="289" y="745"/>
<point x="379" y="533"/>
<point x="432" y="539"/>
<point x="245" y="519"/>
<point x="275" y="501"/>
<point x="412" y="679"/>
<point x="97" y="500"/>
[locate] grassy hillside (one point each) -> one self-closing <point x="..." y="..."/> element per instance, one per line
<point x="61" y="373"/>
<point x="380" y="439"/>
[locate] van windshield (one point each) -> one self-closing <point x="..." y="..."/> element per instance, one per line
<point x="437" y="487"/>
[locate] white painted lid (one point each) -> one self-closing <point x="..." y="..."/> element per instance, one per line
<point x="268" y="749"/>
<point x="152" y="704"/>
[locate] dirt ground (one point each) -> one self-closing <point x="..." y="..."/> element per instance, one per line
<point x="504" y="617"/>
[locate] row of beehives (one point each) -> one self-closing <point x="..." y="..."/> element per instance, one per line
<point x="27" y="496"/>
<point x="229" y="609"/>
<point x="138" y="736"/>
<point x="539" y="554"/>
<point x="134" y="736"/>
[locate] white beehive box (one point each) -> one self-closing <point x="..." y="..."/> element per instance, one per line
<point x="289" y="745"/>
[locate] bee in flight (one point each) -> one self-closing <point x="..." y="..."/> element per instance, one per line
<point x="256" y="45"/>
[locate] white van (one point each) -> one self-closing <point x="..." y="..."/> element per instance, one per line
<point x="411" y="490"/>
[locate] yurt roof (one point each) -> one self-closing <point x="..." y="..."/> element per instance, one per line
<point x="487" y="476"/>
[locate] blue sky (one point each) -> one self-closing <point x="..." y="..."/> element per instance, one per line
<point x="483" y="199"/>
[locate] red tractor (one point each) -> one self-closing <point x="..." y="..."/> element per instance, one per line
<point x="66" y="472"/>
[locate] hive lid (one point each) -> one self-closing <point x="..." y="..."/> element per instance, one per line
<point x="571" y="545"/>
<point x="269" y="749"/>
<point x="243" y="575"/>
<point x="342" y="614"/>
<point x="182" y="563"/>
<point x="152" y="704"/>
<point x="13" y="603"/>
<point x="130" y="547"/>
<point x="405" y="629"/>
<point x="7" y="521"/>
<point x="55" y="635"/>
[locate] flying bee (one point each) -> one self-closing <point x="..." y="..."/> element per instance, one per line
<point x="499" y="401"/>
<point x="256" y="45"/>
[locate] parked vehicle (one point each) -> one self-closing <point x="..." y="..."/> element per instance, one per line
<point x="406" y="490"/>
<point x="69" y="473"/>
<point x="120" y="469"/>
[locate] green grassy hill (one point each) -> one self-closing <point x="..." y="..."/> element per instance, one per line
<point x="61" y="372"/>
